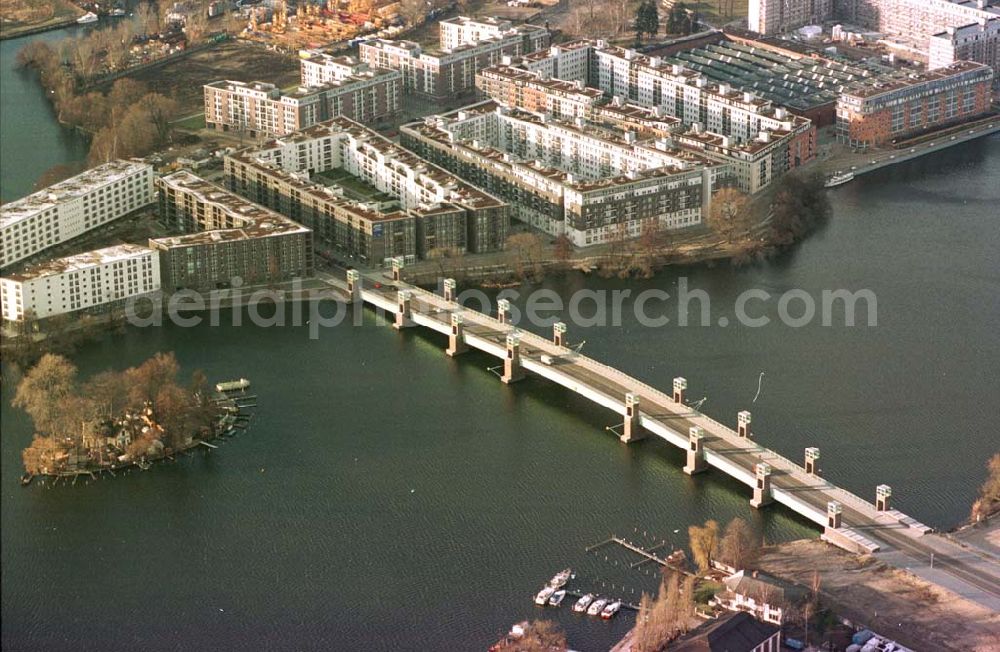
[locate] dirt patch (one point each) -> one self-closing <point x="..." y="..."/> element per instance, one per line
<point x="183" y="79"/>
<point x="18" y="16"/>
<point x="891" y="602"/>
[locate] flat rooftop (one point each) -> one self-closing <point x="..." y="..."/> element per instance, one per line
<point x="80" y="262"/>
<point x="67" y="190"/>
<point x="253" y="220"/>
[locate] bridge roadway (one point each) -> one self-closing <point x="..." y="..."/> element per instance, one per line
<point x="901" y="540"/>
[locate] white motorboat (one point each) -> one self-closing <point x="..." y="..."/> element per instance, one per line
<point x="584" y="602"/>
<point x="89" y="17"/>
<point x="544" y="595"/>
<point x="596" y="607"/>
<point x="557" y="598"/>
<point x="559" y="579"/>
<point x="839" y="179"/>
<point x="609" y="611"/>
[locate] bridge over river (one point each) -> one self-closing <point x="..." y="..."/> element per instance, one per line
<point x="847" y="520"/>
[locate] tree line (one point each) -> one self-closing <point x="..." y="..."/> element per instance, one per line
<point x="127" y="121"/>
<point x="65" y="410"/>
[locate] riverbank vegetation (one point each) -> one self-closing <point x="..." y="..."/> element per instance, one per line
<point x="114" y="417"/>
<point x="126" y="121"/>
<point x="988" y="503"/>
<point x="25" y="16"/>
<point x="671" y="614"/>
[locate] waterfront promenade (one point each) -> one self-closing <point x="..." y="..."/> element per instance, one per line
<point x="847" y="520"/>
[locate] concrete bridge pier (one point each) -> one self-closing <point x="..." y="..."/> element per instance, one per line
<point x="403" y="310"/>
<point x="632" y="431"/>
<point x="397" y="269"/>
<point x="834" y="511"/>
<point x="695" y="452"/>
<point x="449" y="289"/>
<point x="503" y="311"/>
<point x="883" y="493"/>
<point x="762" y="489"/>
<point x="559" y="333"/>
<point x="743" y="423"/>
<point x="812" y="456"/>
<point x="512" y="371"/>
<point x="456" y="339"/>
<point x="354" y="285"/>
<point x="680" y="384"/>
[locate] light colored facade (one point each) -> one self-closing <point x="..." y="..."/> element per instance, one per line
<point x="780" y="16"/>
<point x="531" y="91"/>
<point x="94" y="281"/>
<point x="72" y="207"/>
<point x="592" y="182"/>
<point x="925" y="23"/>
<point x="426" y="208"/>
<point x="978" y="41"/>
<point x="261" y="109"/>
<point x="871" y="115"/>
<point x="452" y="70"/>
<point x="462" y="30"/>
<point x="230" y="241"/>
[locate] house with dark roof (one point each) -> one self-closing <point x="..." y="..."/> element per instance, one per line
<point x="738" y="632"/>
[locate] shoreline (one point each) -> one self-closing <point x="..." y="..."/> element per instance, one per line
<point x="939" y="141"/>
<point x="18" y="32"/>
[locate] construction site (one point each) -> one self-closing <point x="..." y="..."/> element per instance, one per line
<point x="290" y="27"/>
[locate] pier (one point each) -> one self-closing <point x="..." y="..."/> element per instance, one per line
<point x="847" y="520"/>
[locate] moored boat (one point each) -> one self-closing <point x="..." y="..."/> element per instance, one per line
<point x="584" y="602"/>
<point x="89" y="17"/>
<point x="609" y="611"/>
<point x="557" y="598"/>
<point x="544" y="595"/>
<point x="596" y="607"/>
<point x="839" y="179"/>
<point x="559" y="579"/>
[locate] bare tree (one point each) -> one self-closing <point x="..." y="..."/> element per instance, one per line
<point x="729" y="214"/>
<point x="739" y="545"/>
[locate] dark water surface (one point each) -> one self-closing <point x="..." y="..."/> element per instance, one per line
<point x="31" y="141"/>
<point x="390" y="498"/>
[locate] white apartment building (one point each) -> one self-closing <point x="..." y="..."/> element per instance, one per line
<point x="979" y="41"/>
<point x="72" y="207"/>
<point x="318" y="68"/>
<point x="261" y="109"/>
<point x="779" y="16"/>
<point x="567" y="61"/>
<point x="462" y="30"/>
<point x="592" y="182"/>
<point x="467" y="47"/>
<point x="925" y="23"/>
<point x="93" y="281"/>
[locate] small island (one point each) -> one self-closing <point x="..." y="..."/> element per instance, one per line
<point x="118" y="419"/>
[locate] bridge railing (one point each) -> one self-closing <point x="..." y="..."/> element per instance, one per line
<point x="731" y="437"/>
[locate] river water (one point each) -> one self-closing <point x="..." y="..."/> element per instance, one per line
<point x="32" y="140"/>
<point x="387" y="497"/>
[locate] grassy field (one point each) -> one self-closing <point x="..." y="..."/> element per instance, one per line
<point x="193" y="122"/>
<point x="19" y="16"/>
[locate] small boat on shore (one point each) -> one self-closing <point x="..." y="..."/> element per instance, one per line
<point x="584" y="602"/>
<point x="597" y="607"/>
<point x="839" y="179"/>
<point x="544" y="595"/>
<point x="89" y="17"/>
<point x="609" y="611"/>
<point x="557" y="598"/>
<point x="559" y="579"/>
